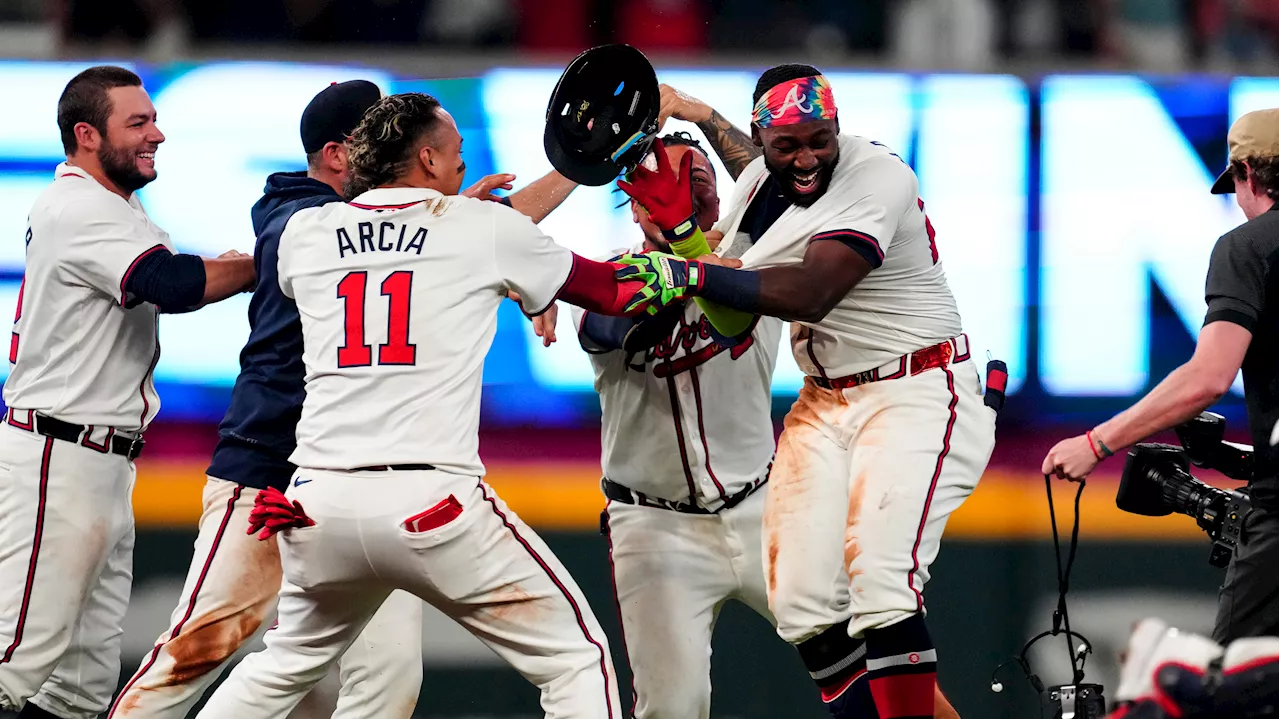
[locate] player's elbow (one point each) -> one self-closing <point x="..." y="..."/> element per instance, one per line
<point x="814" y="306"/>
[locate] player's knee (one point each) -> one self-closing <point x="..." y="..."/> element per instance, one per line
<point x="207" y="646"/>
<point x="675" y="702"/>
<point x="406" y="681"/>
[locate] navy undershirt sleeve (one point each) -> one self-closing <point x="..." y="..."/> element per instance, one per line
<point x="735" y="289"/>
<point x="174" y="283"/>
<point x="601" y="333"/>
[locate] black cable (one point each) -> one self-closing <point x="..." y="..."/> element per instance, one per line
<point x="1061" y="620"/>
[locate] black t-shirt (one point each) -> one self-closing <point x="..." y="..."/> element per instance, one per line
<point x="1241" y="288"/>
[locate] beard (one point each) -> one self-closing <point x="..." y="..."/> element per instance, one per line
<point x="784" y="177"/>
<point x="120" y="165"/>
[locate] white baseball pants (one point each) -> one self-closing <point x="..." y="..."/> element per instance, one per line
<point x="66" y="567"/>
<point x="672" y="572"/>
<point x="864" y="481"/>
<point x="452" y="542"/>
<point x="231" y="588"/>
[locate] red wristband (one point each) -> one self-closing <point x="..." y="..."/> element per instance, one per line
<point x="1088" y="437"/>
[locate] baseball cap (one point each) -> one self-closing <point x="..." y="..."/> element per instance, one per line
<point x="335" y="112"/>
<point x="1255" y="134"/>
<point x="603" y="114"/>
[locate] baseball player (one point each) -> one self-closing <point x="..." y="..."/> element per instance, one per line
<point x="687" y="445"/>
<point x="890" y="432"/>
<point x="80" y="396"/>
<point x="233" y="581"/>
<point x="398" y="292"/>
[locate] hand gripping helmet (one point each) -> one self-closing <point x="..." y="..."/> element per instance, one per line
<point x="603" y="115"/>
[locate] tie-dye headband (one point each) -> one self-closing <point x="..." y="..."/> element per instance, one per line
<point x="803" y="99"/>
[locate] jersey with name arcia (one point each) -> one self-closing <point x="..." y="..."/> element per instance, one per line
<point x="689" y="418"/>
<point x="903" y="304"/>
<point x="82" y="349"/>
<point x="398" y="293"/>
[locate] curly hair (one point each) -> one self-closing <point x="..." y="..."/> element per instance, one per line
<point x="386" y="140"/>
<point x="1266" y="172"/>
<point x="680" y="137"/>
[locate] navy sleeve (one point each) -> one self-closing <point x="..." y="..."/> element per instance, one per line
<point x="859" y="242"/>
<point x="172" y="282"/>
<point x="601" y="333"/>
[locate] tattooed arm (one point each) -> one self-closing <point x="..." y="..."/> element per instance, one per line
<point x="735" y="147"/>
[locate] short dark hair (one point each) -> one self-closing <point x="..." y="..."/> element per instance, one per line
<point x="682" y="138"/>
<point x="85" y="99"/>
<point x="1266" y="171"/>
<point x="780" y="74"/>
<point x="384" y="142"/>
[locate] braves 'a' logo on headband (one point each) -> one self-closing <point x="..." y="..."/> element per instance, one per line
<point x="803" y="99"/>
<point x="793" y="100"/>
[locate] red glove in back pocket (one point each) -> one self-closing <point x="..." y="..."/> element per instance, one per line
<point x="446" y="511"/>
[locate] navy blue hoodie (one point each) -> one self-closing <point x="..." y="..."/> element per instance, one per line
<point x="257" y="436"/>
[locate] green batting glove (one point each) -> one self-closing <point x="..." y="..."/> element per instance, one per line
<point x="667" y="280"/>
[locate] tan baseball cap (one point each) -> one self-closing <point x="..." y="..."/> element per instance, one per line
<point x="1255" y="134"/>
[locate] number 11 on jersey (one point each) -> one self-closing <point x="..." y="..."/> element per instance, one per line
<point x="397" y="350"/>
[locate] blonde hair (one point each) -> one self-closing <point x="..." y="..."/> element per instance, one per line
<point x="386" y="140"/>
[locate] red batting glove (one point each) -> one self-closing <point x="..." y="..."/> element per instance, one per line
<point x="272" y="512"/>
<point x="665" y="194"/>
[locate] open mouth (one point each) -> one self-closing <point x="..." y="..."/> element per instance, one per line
<point x="148" y="158"/>
<point x="806" y="182"/>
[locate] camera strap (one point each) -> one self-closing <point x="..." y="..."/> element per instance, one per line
<point x="1061" y="620"/>
<point x="1084" y="700"/>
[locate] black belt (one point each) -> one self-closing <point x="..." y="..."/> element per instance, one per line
<point x="396" y="468"/>
<point x="620" y="493"/>
<point x="68" y="432"/>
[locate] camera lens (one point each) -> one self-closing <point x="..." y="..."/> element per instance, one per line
<point x="1185" y="494"/>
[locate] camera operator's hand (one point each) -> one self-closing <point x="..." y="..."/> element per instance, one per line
<point x="1073" y="458"/>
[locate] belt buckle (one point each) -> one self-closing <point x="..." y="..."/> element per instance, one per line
<point x="135" y="446"/>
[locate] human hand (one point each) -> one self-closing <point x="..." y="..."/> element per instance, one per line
<point x="544" y="325"/>
<point x="1071" y="459"/>
<point x="666" y="195"/>
<point x="673" y="103"/>
<point x="272" y="512"/>
<point x="667" y="280"/>
<point x="483" y="190"/>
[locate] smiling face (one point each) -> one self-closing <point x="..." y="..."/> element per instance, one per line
<point x="706" y="201"/>
<point x="801" y="157"/>
<point x="127" y="150"/>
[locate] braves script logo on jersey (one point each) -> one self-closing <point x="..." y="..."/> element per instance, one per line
<point x="685" y="338"/>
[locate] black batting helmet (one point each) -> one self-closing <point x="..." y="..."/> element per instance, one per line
<point x="603" y="114"/>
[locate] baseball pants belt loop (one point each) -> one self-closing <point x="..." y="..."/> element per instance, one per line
<point x="950" y="352"/>
<point x="626" y="495"/>
<point x="115" y="442"/>
<point x="396" y="468"/>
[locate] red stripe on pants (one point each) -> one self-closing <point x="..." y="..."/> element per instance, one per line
<point x="933" y="484"/>
<point x="191" y="601"/>
<point x="35" y="550"/>
<point x="577" y="612"/>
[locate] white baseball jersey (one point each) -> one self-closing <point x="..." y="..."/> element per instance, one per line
<point x="399" y="293"/>
<point x="903" y="305"/>
<point x="82" y="350"/>
<point x="688" y="419"/>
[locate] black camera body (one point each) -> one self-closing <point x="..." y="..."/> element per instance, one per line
<point x="1157" y="481"/>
